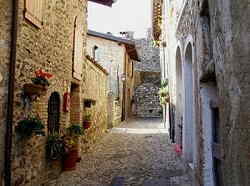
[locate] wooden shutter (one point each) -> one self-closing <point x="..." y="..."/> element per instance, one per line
<point x="33" y="11"/>
<point x="78" y="48"/>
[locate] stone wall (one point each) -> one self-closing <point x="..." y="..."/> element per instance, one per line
<point x="112" y="57"/>
<point x="49" y="48"/>
<point x="5" y="40"/>
<point x="95" y="89"/>
<point x="217" y="39"/>
<point x="117" y="112"/>
<point x="129" y="92"/>
<point x="148" y="54"/>
<point x="147" y="101"/>
<point x="231" y="54"/>
<point x="147" y="73"/>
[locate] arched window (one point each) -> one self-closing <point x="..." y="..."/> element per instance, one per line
<point x="54" y="113"/>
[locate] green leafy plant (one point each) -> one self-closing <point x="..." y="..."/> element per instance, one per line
<point x="164" y="92"/>
<point x="54" y="147"/>
<point x="164" y="83"/>
<point x="75" y="130"/>
<point x="28" y="126"/>
<point x="40" y="81"/>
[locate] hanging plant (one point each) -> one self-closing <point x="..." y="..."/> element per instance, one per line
<point x="29" y="126"/>
<point x="41" y="78"/>
<point x="38" y="86"/>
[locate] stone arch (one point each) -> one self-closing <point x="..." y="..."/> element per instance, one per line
<point x="54" y="104"/>
<point x="189" y="114"/>
<point x="179" y="97"/>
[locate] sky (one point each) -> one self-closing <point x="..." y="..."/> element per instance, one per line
<point x="124" y="15"/>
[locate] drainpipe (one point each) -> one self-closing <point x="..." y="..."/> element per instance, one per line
<point x="11" y="85"/>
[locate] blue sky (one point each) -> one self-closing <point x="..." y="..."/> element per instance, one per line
<point x="125" y="15"/>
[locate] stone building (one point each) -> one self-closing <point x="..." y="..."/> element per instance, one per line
<point x="147" y="79"/>
<point x="206" y="46"/>
<point x="47" y="35"/>
<point x="95" y="101"/>
<point x="117" y="56"/>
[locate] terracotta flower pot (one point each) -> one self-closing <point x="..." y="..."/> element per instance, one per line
<point x="55" y="164"/>
<point x="33" y="89"/>
<point x="69" y="162"/>
<point x="86" y="124"/>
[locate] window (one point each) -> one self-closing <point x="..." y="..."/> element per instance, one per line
<point x="96" y="53"/>
<point x="33" y="11"/>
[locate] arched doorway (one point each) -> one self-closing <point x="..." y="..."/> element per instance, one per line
<point x="54" y="113"/>
<point x="188" y="128"/>
<point x="179" y="94"/>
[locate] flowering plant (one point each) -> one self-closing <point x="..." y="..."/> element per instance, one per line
<point x="41" y="78"/>
<point x="71" y="139"/>
<point x="40" y="73"/>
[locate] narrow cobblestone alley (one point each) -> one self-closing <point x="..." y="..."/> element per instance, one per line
<point x="137" y="152"/>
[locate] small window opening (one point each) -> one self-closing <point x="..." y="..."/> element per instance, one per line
<point x="96" y="53"/>
<point x="88" y="103"/>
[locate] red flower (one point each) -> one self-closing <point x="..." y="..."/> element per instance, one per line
<point x="40" y="73"/>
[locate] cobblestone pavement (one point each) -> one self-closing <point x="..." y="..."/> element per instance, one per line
<point x="138" y="152"/>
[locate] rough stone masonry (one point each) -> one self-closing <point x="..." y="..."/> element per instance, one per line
<point x="147" y="79"/>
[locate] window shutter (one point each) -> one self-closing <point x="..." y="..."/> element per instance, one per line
<point x="33" y="11"/>
<point x="78" y="47"/>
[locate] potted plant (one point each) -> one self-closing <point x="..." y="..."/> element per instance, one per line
<point x="71" y="144"/>
<point x="39" y="84"/>
<point x="75" y="130"/>
<point x="87" y="121"/>
<point x="54" y="147"/>
<point x="29" y="126"/>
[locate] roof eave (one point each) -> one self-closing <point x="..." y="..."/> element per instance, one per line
<point x="132" y="52"/>
<point x="129" y="45"/>
<point x="110" y="37"/>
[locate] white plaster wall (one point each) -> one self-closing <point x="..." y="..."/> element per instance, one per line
<point x="208" y="93"/>
<point x="188" y="113"/>
<point x="179" y="97"/>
